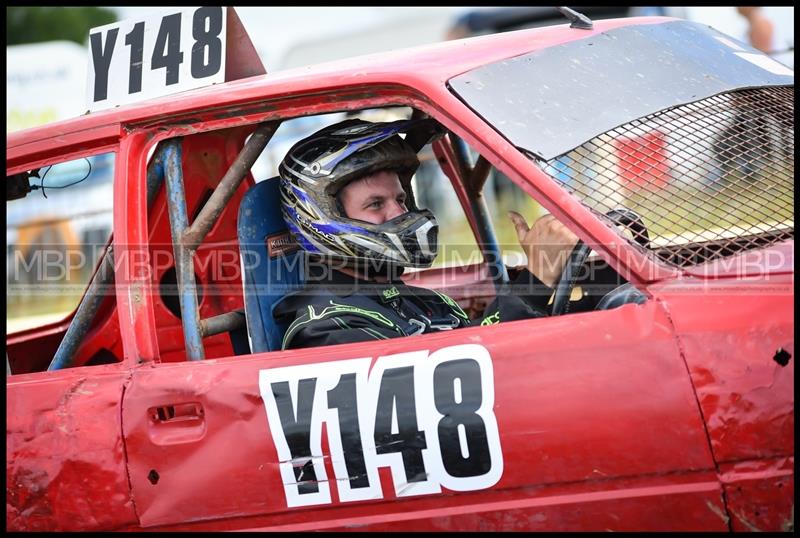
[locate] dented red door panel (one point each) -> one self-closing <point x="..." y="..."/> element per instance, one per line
<point x="621" y="505"/>
<point x="588" y="422"/>
<point x="65" y="455"/>
<point x="739" y="347"/>
<point x="760" y="494"/>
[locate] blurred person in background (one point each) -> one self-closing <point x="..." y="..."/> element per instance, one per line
<point x="761" y="31"/>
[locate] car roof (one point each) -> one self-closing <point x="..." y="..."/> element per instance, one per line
<point x="432" y="65"/>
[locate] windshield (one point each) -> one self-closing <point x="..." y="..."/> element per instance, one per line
<point x="692" y="131"/>
<point x="708" y="179"/>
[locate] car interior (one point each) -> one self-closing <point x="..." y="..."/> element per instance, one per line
<point x="247" y="260"/>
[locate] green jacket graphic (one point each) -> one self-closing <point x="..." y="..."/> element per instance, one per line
<point x="342" y="309"/>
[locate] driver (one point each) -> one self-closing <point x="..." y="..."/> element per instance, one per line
<point x="346" y="197"/>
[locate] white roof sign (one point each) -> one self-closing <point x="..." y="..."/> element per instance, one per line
<point x="138" y="59"/>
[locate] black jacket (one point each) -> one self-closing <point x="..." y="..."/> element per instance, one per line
<point x="343" y="309"/>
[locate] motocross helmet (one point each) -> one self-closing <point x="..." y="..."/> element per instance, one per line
<point x="316" y="168"/>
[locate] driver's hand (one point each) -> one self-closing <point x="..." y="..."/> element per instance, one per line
<point x="547" y="245"/>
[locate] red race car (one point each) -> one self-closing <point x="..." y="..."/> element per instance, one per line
<point x="657" y="395"/>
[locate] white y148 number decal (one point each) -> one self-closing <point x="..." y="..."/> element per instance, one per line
<point x="133" y="60"/>
<point x="429" y="418"/>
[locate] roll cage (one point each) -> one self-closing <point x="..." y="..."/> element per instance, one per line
<point x="165" y="169"/>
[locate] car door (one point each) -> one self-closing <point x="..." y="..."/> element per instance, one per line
<point x="64" y="451"/>
<point x="580" y="422"/>
<point x="65" y="457"/>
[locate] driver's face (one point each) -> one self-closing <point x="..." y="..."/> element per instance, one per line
<point x="375" y="199"/>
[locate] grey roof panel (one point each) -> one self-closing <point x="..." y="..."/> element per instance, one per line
<point x="553" y="100"/>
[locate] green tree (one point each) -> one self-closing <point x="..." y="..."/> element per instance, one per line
<point x="37" y="24"/>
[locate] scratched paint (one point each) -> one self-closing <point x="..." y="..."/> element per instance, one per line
<point x="760" y="494"/>
<point x="65" y="461"/>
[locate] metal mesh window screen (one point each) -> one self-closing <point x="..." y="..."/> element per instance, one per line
<point x="709" y="179"/>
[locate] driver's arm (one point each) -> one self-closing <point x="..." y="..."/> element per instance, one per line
<point x="524" y="298"/>
<point x="547" y="244"/>
<point x="332" y="330"/>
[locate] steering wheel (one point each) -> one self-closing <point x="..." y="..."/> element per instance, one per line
<point x="568" y="275"/>
<point x="620" y="295"/>
<point x="631" y="220"/>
